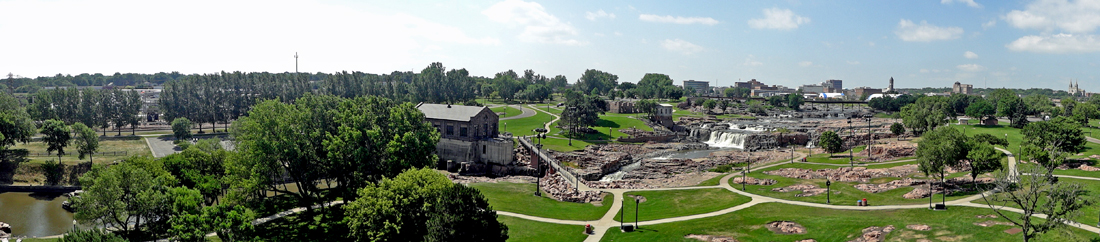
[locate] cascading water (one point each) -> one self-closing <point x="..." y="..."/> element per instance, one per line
<point x="727" y="139"/>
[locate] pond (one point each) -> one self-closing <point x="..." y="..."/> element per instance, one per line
<point x="35" y="214"/>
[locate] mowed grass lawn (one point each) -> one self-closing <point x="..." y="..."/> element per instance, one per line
<point x="112" y="149"/>
<point x="520" y="198"/>
<point x="525" y="126"/>
<point x="1088" y="214"/>
<point x="522" y="230"/>
<point x="955" y="224"/>
<point x="608" y="127"/>
<point x="509" y="111"/>
<point x="676" y="203"/>
<point x="843" y="193"/>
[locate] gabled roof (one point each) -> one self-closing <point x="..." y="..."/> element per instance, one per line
<point x="449" y="112"/>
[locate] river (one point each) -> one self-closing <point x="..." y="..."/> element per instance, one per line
<point x="35" y="214"/>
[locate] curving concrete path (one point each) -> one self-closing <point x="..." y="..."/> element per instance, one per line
<point x="526" y="112"/>
<point x="607" y="222"/>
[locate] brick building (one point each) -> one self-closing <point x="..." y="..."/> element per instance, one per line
<point x="468" y="134"/>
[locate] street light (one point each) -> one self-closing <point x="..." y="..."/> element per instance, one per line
<point x="828" y="190"/>
<point x="744" y="175"/>
<point x="637" y="203"/>
<point x="851" y="160"/>
<point x="870" y="136"/>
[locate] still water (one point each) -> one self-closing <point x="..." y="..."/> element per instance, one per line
<point x="35" y="214"/>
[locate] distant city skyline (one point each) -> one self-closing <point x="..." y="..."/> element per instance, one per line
<point x="1015" y="44"/>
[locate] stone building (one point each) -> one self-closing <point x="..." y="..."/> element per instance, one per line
<point x="962" y="88"/>
<point x="621" y="106"/>
<point x="468" y="134"/>
<point x="664" y="115"/>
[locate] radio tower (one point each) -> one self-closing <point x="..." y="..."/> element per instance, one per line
<point x="11" y="84"/>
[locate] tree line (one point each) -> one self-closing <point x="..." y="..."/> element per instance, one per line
<point x="92" y="107"/>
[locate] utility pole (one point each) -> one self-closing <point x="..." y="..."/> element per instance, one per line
<point x="295" y="62"/>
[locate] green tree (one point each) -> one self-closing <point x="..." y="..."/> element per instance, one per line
<point x="125" y="196"/>
<point x="709" y="104"/>
<point x="56" y="136"/>
<point x="1049" y="142"/>
<point x="15" y="124"/>
<point x="795" y="100"/>
<point x="980" y="109"/>
<point x="181" y="128"/>
<point x="87" y="142"/>
<point x="831" y="142"/>
<point x="1038" y="103"/>
<point x="983" y="158"/>
<point x="941" y="148"/>
<point x="926" y="114"/>
<point x="422" y="205"/>
<point x="597" y="81"/>
<point x="580" y="111"/>
<point x="647" y="106"/>
<point x="1082" y="112"/>
<point x="989" y="139"/>
<point x="777" y="101"/>
<point x="897" y="128"/>
<point x="1036" y="192"/>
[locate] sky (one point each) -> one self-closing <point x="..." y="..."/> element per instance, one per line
<point x="933" y="43"/>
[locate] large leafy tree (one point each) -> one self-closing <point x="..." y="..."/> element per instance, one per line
<point x="422" y="205"/>
<point x="86" y="140"/>
<point x="926" y="114"/>
<point x="1049" y="142"/>
<point x="352" y="141"/>
<point x="646" y="106"/>
<point x="831" y="142"/>
<point x="580" y="110"/>
<point x="56" y="135"/>
<point x="125" y="196"/>
<point x="181" y="128"/>
<point x="795" y="100"/>
<point x="200" y="167"/>
<point x="941" y="148"/>
<point x="980" y="109"/>
<point x="596" y="81"/>
<point x="983" y="158"/>
<point x="15" y="123"/>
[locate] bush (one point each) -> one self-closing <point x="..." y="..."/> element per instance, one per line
<point x="92" y="235"/>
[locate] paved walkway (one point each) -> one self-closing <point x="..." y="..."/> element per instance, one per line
<point x="526" y="112"/>
<point x="607" y="222"/>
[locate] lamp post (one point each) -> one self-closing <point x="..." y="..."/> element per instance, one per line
<point x="637" y="203"/>
<point x="828" y="190"/>
<point x="744" y="175"/>
<point x="851" y="160"/>
<point x="870" y="136"/>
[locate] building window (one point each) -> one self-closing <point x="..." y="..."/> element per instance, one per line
<point x="482" y="149"/>
<point x="462" y="131"/>
<point x="450" y="130"/>
<point x="486" y="128"/>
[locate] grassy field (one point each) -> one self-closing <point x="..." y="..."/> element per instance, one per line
<point x="563" y="144"/>
<point x="522" y="230"/>
<point x="843" y="193"/>
<point x="509" y="111"/>
<point x="837" y="158"/>
<point x="676" y="203"/>
<point x="956" y="224"/>
<point x="112" y="149"/>
<point x="525" y="126"/>
<point x="519" y="198"/>
<point x="608" y="127"/>
<point x="1015" y="138"/>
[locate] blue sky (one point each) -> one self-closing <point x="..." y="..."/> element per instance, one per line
<point x="1034" y="43"/>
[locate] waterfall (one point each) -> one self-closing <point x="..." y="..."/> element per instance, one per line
<point x="727" y="139"/>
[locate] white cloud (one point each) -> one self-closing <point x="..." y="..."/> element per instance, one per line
<point x="990" y="24"/>
<point x="970" y="3"/>
<point x="853" y="62"/>
<point x="1080" y="16"/>
<point x="539" y="26"/>
<point x="924" y="32"/>
<point x="618" y="34"/>
<point x="681" y="46"/>
<point x="115" y="37"/>
<point x="970" y="67"/>
<point x="677" y="19"/>
<point x="751" y="61"/>
<point x="598" y="34"/>
<point x="1059" y="43"/>
<point x="805" y="63"/>
<point x="598" y="14"/>
<point x="781" y="19"/>
<point x="871" y="43"/>
<point x="970" y="55"/>
<point x="924" y="71"/>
